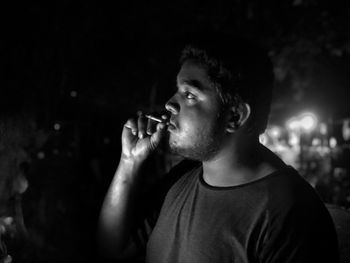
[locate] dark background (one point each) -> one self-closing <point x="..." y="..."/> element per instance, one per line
<point x="72" y="72"/>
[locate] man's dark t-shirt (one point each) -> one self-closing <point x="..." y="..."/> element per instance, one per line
<point x="278" y="218"/>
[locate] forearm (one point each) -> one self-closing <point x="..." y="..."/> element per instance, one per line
<point x="115" y="223"/>
<point x="116" y="219"/>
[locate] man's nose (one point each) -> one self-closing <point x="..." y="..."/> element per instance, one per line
<point x="172" y="106"/>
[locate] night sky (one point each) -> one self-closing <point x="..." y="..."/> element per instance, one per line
<point x="120" y="58"/>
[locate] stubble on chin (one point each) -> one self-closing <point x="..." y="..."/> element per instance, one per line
<point x="201" y="148"/>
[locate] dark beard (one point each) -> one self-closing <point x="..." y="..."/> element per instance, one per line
<point x="197" y="153"/>
<point x="206" y="146"/>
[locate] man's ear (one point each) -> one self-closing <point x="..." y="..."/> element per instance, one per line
<point x="238" y="116"/>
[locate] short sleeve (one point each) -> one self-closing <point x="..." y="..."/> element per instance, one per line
<point x="303" y="233"/>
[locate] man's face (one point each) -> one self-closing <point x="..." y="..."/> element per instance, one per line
<point x="197" y="126"/>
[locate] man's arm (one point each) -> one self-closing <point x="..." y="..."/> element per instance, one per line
<point x="304" y="232"/>
<point x="117" y="214"/>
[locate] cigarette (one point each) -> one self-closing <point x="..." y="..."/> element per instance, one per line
<point x="156" y="119"/>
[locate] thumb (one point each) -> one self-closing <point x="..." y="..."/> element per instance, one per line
<point x="158" y="135"/>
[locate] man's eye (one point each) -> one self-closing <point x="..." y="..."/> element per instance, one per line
<point x="190" y="96"/>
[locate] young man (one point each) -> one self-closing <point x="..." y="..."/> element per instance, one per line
<point x="238" y="202"/>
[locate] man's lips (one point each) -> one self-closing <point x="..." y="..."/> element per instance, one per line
<point x="172" y="125"/>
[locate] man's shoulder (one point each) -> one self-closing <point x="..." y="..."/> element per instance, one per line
<point x="298" y="218"/>
<point x="288" y="183"/>
<point x="289" y="193"/>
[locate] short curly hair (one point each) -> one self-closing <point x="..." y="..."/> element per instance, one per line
<point x="240" y="70"/>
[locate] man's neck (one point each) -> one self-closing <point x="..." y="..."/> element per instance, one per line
<point x="232" y="167"/>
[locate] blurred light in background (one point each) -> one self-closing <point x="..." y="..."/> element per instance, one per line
<point x="41" y="155"/>
<point x="73" y="94"/>
<point x="320" y="151"/>
<point x="332" y="142"/>
<point x="316" y="142"/>
<point x="346" y="129"/>
<point x="275" y="131"/>
<point x="293" y="139"/>
<point x="308" y="121"/>
<point x="57" y="126"/>
<point x="293" y="124"/>
<point x="323" y="128"/>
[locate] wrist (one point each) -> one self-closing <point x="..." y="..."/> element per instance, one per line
<point x="130" y="161"/>
<point x="128" y="169"/>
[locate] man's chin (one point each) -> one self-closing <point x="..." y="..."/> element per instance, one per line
<point x="174" y="148"/>
<point x="177" y="150"/>
<point x="187" y="153"/>
<point x="203" y="148"/>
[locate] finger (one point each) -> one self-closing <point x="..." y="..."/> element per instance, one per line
<point x="164" y="117"/>
<point x="151" y="127"/>
<point x="158" y="135"/>
<point x="131" y="125"/>
<point x="141" y="125"/>
<point x="161" y="127"/>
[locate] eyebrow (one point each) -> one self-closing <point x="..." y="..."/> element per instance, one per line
<point x="192" y="83"/>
